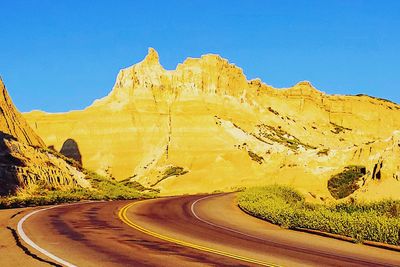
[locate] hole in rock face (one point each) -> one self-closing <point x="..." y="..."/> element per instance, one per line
<point x="71" y="150"/>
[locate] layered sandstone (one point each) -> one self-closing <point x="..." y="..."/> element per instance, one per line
<point x="12" y="122"/>
<point x="24" y="160"/>
<point x="205" y="127"/>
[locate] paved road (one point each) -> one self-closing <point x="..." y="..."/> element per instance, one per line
<point x="183" y="231"/>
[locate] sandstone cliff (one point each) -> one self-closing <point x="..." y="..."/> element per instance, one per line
<point x="12" y="122"/>
<point x="205" y="127"/>
<point x="24" y="160"/>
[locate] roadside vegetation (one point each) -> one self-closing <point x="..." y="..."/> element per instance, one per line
<point x="169" y="172"/>
<point x="281" y="205"/>
<point x="103" y="188"/>
<point x="345" y="183"/>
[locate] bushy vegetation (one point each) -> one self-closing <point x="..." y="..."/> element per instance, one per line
<point x="273" y="111"/>
<point x="337" y="129"/>
<point x="381" y="99"/>
<point x="323" y="152"/>
<point x="345" y="183"/>
<point x="281" y="205"/>
<point x="277" y="134"/>
<point x="57" y="154"/>
<point x="110" y="189"/>
<point x="171" y="171"/>
<point x="103" y="188"/>
<point x="139" y="187"/>
<point x="255" y="157"/>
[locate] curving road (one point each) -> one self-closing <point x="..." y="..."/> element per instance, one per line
<point x="180" y="231"/>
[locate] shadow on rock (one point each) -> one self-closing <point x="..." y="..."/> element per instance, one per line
<point x="71" y="150"/>
<point x="8" y="166"/>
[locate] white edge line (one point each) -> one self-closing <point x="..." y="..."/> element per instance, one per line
<point x="21" y="233"/>
<point x="27" y="240"/>
<point x="216" y="225"/>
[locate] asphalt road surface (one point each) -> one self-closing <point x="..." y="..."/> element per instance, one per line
<point x="176" y="231"/>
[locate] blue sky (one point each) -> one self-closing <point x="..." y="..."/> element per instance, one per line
<point x="61" y="55"/>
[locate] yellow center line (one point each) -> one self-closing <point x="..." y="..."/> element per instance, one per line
<point x="122" y="214"/>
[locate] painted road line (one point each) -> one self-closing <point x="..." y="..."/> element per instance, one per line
<point x="123" y="216"/>
<point x="22" y="234"/>
<point x="216" y="225"/>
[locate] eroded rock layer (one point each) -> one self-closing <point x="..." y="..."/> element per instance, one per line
<point x="24" y="159"/>
<point x="12" y="122"/>
<point x="205" y="127"/>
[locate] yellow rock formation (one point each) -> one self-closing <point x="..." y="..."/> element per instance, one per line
<point x="205" y="127"/>
<point x="24" y="160"/>
<point x="12" y="122"/>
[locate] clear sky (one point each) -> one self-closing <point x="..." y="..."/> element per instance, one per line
<point x="61" y="55"/>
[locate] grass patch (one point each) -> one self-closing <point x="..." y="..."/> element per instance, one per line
<point x="281" y="205"/>
<point x="337" y="129"/>
<point x="273" y="111"/>
<point x="345" y="183"/>
<point x="139" y="187"/>
<point x="277" y="134"/>
<point x="171" y="171"/>
<point x="102" y="189"/>
<point x="57" y="154"/>
<point x="380" y="99"/>
<point x="323" y="152"/>
<point x="255" y="157"/>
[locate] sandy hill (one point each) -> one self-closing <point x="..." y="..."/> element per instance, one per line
<point x="205" y="127"/>
<point x="24" y="159"/>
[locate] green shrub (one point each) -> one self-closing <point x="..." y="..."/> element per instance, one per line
<point x="337" y="129"/>
<point x="169" y="172"/>
<point x="345" y="183"/>
<point x="102" y="189"/>
<point x="323" y="152"/>
<point x="255" y="157"/>
<point x="281" y="205"/>
<point x="277" y="134"/>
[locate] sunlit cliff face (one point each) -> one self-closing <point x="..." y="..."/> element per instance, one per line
<point x="205" y="127"/>
<point x="24" y="160"/>
<point x="12" y="123"/>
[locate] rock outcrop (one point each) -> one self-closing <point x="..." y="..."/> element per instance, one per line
<point x="224" y="132"/>
<point x="12" y="122"/>
<point x="24" y="159"/>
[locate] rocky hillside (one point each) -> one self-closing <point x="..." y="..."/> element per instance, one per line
<point x="12" y="122"/>
<point x="24" y="160"/>
<point x="205" y="127"/>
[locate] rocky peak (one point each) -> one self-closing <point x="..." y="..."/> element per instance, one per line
<point x="306" y="84"/>
<point x="304" y="88"/>
<point x="12" y="123"/>
<point x="149" y="122"/>
<point x="209" y="74"/>
<point x="151" y="58"/>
